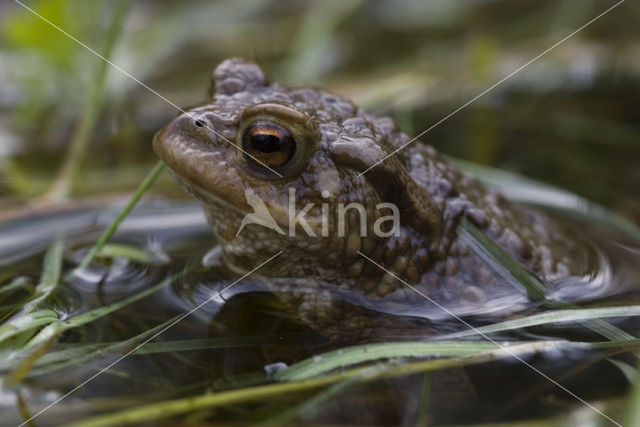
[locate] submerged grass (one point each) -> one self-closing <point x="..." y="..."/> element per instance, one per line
<point x="517" y="275"/>
<point x="33" y="314"/>
<point x="308" y="408"/>
<point x="65" y="358"/>
<point x="633" y="405"/>
<point x="118" y="250"/>
<point x="25" y="323"/>
<point x="59" y="359"/>
<point x="550" y="318"/>
<point x="59" y="326"/>
<point x="50" y="279"/>
<point x="21" y="359"/>
<point x="503" y="263"/>
<point x="21" y="342"/>
<point x="354" y="375"/>
<point x="343" y="357"/>
<point x="422" y="418"/>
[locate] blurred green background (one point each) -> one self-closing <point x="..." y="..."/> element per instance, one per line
<point x="572" y="118"/>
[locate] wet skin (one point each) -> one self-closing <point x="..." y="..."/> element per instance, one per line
<point x="251" y="130"/>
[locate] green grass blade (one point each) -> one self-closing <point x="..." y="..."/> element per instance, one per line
<point x="551" y="317"/>
<point x="313" y="405"/>
<point x="84" y="318"/>
<point x="144" y="186"/>
<point x="607" y="330"/>
<point x="9" y="309"/>
<point x="26" y="323"/>
<point x="133" y="253"/>
<point x="633" y="405"/>
<point x="50" y="278"/>
<point x="91" y="351"/>
<point x="55" y="360"/>
<point x="32" y="316"/>
<point x="201" y="344"/>
<point x="249" y="394"/>
<point x="56" y="356"/>
<point x="422" y="418"/>
<point x="24" y="366"/>
<point x="327" y="362"/>
<point x="17" y="283"/>
<point x="47" y="335"/>
<point x="517" y="275"/>
<point x="317" y="365"/>
<point x="502" y="262"/>
<point x="59" y="189"/>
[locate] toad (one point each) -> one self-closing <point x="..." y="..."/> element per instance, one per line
<point x="353" y="207"/>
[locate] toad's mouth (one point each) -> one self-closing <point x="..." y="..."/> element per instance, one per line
<point x="203" y="170"/>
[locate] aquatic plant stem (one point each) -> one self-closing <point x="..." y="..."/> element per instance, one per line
<point x="90" y="316"/>
<point x="50" y="278"/>
<point x="146" y="183"/>
<point x="521" y="278"/>
<point x="251" y="394"/>
<point x="313" y="405"/>
<point x="169" y="408"/>
<point x="633" y="417"/>
<point x="60" y="188"/>
<point x="501" y="261"/>
<point x="422" y="418"/>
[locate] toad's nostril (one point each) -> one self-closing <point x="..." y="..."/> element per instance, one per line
<point x="199" y="123"/>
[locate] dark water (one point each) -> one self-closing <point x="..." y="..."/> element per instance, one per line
<point x="248" y="329"/>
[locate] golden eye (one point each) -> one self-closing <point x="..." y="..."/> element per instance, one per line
<point x="268" y="144"/>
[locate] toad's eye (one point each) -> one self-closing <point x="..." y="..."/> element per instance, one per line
<point x="268" y="144"/>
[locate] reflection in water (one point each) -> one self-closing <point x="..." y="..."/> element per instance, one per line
<point x="250" y="331"/>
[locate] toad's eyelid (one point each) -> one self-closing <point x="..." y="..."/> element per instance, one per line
<point x="267" y="128"/>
